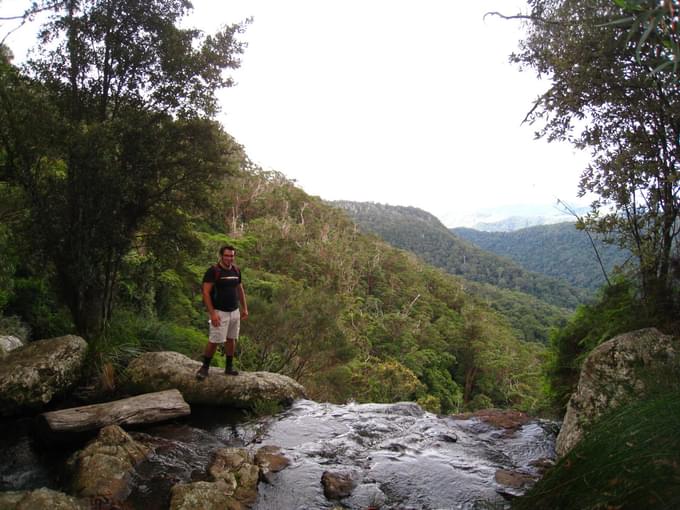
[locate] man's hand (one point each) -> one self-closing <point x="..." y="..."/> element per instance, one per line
<point x="244" y="314"/>
<point x="215" y="320"/>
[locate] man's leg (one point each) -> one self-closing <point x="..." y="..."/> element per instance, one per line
<point x="216" y="336"/>
<point x="229" y="350"/>
<point x="230" y="346"/>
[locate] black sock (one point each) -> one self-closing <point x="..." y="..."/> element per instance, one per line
<point x="230" y="362"/>
<point x="206" y="361"/>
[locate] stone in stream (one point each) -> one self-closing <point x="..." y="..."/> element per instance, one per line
<point x="101" y="470"/>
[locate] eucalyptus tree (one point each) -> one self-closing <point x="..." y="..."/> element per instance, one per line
<point x="607" y="96"/>
<point x="109" y="130"/>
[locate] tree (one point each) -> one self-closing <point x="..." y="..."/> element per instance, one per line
<point x="605" y="98"/>
<point x="109" y="133"/>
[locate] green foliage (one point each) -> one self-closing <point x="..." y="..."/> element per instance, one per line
<point x="628" y="460"/>
<point x="38" y="306"/>
<point x="384" y="381"/>
<point x="294" y="328"/>
<point x="111" y="139"/>
<point x="616" y="311"/>
<point x="14" y="326"/>
<point x="652" y="24"/>
<point x="7" y="266"/>
<point x="432" y="368"/>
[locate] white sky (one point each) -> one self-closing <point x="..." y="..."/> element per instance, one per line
<point x="405" y="102"/>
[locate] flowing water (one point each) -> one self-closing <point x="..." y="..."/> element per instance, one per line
<point x="400" y="456"/>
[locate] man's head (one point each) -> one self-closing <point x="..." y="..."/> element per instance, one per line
<point x="227" y="247"/>
<point x="227" y="255"/>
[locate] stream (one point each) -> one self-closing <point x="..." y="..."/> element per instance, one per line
<point x="400" y="456"/>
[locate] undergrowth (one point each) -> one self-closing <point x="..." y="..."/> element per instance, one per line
<point x="630" y="459"/>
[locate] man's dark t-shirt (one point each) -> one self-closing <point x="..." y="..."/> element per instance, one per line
<point x="224" y="294"/>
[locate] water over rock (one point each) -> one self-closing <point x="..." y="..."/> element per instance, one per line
<point x="32" y="375"/>
<point x="617" y="372"/>
<point x="396" y="456"/>
<point x="157" y="371"/>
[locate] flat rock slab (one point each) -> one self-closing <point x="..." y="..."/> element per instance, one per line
<point x="157" y="371"/>
<point x="139" y="410"/>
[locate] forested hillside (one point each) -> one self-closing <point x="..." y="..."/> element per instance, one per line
<point x="346" y="314"/>
<point x="533" y="303"/>
<point x="558" y="250"/>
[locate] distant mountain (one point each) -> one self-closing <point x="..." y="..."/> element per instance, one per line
<point x="524" y="297"/>
<point x="558" y="250"/>
<point x="511" y="217"/>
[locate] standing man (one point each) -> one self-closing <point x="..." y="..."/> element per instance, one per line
<point x="222" y="294"/>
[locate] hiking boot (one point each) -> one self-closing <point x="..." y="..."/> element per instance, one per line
<point x="202" y="372"/>
<point x="229" y="367"/>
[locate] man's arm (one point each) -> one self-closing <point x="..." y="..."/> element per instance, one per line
<point x="242" y="300"/>
<point x="207" y="301"/>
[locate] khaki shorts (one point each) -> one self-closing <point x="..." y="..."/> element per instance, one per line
<point x="230" y="323"/>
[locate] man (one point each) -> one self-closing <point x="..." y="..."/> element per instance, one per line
<point x="222" y="294"/>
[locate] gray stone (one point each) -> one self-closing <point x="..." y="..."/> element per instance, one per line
<point x="619" y="371"/>
<point x="157" y="371"/>
<point x="9" y="343"/>
<point x="40" y="498"/>
<point x="203" y="495"/>
<point x="102" y="468"/>
<point x="32" y="375"/>
<point x="270" y="460"/>
<point x="236" y="468"/>
<point x="337" y="485"/>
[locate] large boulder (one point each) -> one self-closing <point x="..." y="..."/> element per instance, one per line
<point x="157" y="371"/>
<point x="32" y="375"/>
<point x="619" y="371"/>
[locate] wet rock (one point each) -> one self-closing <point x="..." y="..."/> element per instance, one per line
<point x="157" y="371"/>
<point x="542" y="465"/>
<point x="499" y="418"/>
<point x="9" y="343"/>
<point x="336" y="485"/>
<point x="448" y="438"/>
<point x="514" y="479"/>
<point x="40" y="498"/>
<point x="366" y="496"/>
<point x="102" y="468"/>
<point x="615" y="373"/>
<point x="234" y="466"/>
<point x="203" y="495"/>
<point x="32" y="375"/>
<point x="270" y="460"/>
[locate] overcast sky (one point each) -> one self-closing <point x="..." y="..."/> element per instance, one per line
<point x="405" y="102"/>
